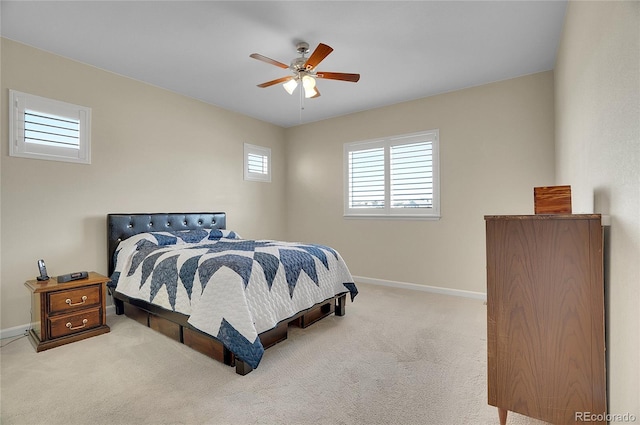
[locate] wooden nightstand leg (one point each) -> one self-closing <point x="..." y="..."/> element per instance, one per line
<point x="502" y="414"/>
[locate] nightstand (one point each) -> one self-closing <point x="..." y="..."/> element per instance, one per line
<point x="67" y="312"/>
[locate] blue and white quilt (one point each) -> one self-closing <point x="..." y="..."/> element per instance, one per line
<point x="231" y="288"/>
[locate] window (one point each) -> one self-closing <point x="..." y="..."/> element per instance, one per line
<point x="393" y="177"/>
<point x="42" y="128"/>
<point x="257" y="163"/>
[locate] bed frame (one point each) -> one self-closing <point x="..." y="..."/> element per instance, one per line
<point x="174" y="325"/>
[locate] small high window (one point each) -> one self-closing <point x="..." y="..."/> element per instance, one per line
<point x="42" y="128"/>
<point x="257" y="163"/>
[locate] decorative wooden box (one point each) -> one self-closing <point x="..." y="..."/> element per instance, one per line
<point x="552" y="200"/>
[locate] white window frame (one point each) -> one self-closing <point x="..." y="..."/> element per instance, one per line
<point x="19" y="147"/>
<point x="433" y="212"/>
<point x="253" y="151"/>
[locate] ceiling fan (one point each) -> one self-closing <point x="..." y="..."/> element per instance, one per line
<point x="304" y="70"/>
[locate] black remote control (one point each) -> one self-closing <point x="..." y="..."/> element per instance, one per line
<point x="72" y="276"/>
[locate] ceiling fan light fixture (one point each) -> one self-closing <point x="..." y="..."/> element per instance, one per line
<point x="308" y="82"/>
<point x="290" y="86"/>
<point x="312" y="92"/>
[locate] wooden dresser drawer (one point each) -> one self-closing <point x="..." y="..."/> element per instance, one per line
<point x="63" y="301"/>
<point x="77" y="322"/>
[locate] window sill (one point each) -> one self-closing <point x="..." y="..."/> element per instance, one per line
<point x="391" y="217"/>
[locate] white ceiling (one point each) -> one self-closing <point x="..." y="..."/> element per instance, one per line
<point x="403" y="50"/>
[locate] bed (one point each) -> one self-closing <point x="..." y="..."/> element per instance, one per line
<point x="185" y="275"/>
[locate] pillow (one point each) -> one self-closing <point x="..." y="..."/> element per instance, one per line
<point x="217" y="234"/>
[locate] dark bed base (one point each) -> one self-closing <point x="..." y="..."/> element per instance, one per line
<point x="175" y="326"/>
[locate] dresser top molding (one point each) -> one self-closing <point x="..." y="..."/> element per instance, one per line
<point x="606" y="220"/>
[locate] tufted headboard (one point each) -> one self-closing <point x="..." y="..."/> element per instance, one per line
<point x="123" y="226"/>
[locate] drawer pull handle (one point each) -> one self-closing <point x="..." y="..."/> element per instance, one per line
<point x="70" y="326"/>
<point x="68" y="301"/>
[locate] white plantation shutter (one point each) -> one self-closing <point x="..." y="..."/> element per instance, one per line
<point x="51" y="130"/>
<point x="257" y="163"/>
<point x="42" y="128"/>
<point x="411" y="175"/>
<point x="366" y="178"/>
<point x="394" y="177"/>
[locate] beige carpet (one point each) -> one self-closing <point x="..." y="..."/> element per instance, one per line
<point x="397" y="357"/>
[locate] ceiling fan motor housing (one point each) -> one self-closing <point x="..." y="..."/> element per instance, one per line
<point x="298" y="64"/>
<point x="302" y="47"/>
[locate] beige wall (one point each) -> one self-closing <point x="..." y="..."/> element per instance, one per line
<point x="598" y="153"/>
<point x="152" y="151"/>
<point x="496" y="144"/>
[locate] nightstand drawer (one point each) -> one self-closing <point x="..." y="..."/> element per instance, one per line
<point x="73" y="323"/>
<point x="62" y="301"/>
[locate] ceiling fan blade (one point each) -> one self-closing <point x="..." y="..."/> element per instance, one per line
<point x="342" y="76"/>
<point x="315" y="95"/>
<point x="268" y="60"/>
<point x="321" y="52"/>
<point x="274" y="82"/>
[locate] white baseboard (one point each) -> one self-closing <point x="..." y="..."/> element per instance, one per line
<point x="23" y="329"/>
<point x="15" y="331"/>
<point x="425" y="288"/>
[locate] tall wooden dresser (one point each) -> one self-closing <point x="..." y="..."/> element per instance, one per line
<point x="545" y="317"/>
